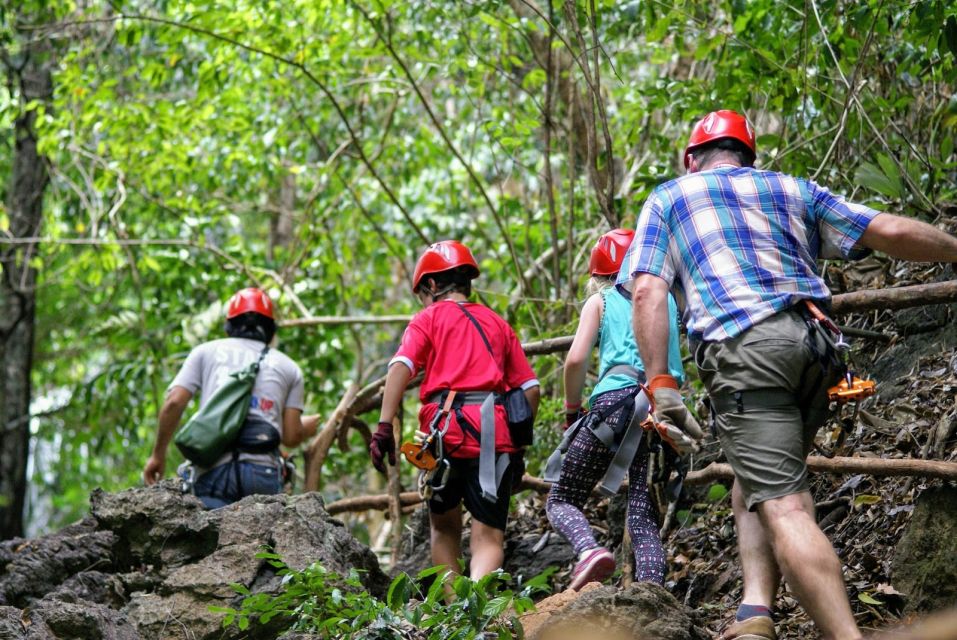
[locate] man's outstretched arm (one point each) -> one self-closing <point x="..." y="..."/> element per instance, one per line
<point x="909" y="239"/>
<point x="176" y="401"/>
<point x="650" y="322"/>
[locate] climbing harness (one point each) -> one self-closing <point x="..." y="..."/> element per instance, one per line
<point x="288" y="470"/>
<point x="429" y="455"/>
<point x="835" y="362"/>
<point x="850" y="389"/>
<point x="186" y="472"/>
<point x="623" y="437"/>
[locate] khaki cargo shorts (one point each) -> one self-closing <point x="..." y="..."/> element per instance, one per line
<point x="767" y="446"/>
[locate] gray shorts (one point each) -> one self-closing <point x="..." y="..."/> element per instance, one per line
<point x="767" y="445"/>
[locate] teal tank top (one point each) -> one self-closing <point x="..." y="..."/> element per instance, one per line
<point x="616" y="342"/>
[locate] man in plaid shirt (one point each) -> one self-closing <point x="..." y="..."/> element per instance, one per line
<point x="738" y="247"/>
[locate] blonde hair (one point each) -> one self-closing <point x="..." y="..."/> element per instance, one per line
<point x="597" y="284"/>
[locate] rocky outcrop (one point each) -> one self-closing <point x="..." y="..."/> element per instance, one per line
<point x="150" y="562"/>
<point x="642" y="611"/>
<point x="924" y="568"/>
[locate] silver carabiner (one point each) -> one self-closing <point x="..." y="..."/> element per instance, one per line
<point x="187" y="474"/>
<point x="443" y="470"/>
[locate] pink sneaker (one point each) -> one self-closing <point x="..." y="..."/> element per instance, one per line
<point x="597" y="565"/>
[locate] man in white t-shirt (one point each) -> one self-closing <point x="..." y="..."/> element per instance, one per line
<point x="275" y="411"/>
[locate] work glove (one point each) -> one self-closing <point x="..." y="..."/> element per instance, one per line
<point x="673" y="421"/>
<point x="571" y="417"/>
<point x="383" y="442"/>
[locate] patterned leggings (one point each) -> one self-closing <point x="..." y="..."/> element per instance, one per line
<point x="584" y="465"/>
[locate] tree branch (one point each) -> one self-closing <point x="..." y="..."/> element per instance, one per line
<point x="895" y="298"/>
<point x="440" y="129"/>
<point x="334" y="320"/>
<point x="353" y="136"/>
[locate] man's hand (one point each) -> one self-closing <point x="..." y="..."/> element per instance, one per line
<point x="674" y="422"/>
<point x="383" y="442"/>
<point x="154" y="470"/>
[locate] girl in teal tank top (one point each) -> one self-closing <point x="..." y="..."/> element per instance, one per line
<point x="606" y="321"/>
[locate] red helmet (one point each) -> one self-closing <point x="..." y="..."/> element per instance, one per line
<point x="609" y="252"/>
<point x="249" y="300"/>
<point x="717" y="125"/>
<point x="442" y="256"/>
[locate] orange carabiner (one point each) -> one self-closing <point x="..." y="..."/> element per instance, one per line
<point x="419" y="455"/>
<point x="852" y="391"/>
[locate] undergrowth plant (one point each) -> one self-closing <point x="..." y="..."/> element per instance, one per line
<point x="319" y="601"/>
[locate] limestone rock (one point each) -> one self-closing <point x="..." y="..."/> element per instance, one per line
<point x="550" y="606"/>
<point x="522" y="557"/>
<point x="150" y="562"/>
<point x="155" y="525"/>
<point x="32" y="568"/>
<point x="924" y="568"/>
<point x="297" y="528"/>
<point x="78" y="621"/>
<point x="642" y="611"/>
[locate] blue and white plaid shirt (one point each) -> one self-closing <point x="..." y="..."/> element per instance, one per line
<point x="738" y="245"/>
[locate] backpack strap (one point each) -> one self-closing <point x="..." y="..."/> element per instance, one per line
<point x="491" y="470"/>
<point x="628" y="447"/>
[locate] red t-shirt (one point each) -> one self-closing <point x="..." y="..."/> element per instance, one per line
<point x="443" y="341"/>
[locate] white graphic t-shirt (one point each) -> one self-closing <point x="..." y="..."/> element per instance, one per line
<point x="278" y="386"/>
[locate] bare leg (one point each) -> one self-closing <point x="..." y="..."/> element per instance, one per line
<point x="446" y="538"/>
<point x="809" y="564"/>
<point x="759" y="570"/>
<point x="487" y="549"/>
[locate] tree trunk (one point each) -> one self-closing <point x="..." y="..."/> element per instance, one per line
<point x="30" y="74"/>
<point x="283" y="221"/>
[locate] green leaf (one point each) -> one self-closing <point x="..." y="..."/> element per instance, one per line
<point x="870" y="176"/>
<point x="866" y="498"/>
<point x="496" y="606"/>
<point x="717" y="492"/>
<point x="867" y="598"/>
<point x="400" y="590"/>
<point x="891" y="170"/>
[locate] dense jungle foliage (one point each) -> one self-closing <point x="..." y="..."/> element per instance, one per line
<point x="315" y="147"/>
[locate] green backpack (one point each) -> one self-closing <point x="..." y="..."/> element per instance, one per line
<point x="213" y="429"/>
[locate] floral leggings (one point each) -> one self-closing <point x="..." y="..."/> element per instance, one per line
<point x="584" y="465"/>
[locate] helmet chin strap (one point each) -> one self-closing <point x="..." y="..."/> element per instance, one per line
<point x="441" y="292"/>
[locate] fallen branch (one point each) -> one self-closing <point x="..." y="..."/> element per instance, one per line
<point x="880" y="467"/>
<point x="369" y="503"/>
<point x="895" y="298"/>
<point x="884" y="467"/>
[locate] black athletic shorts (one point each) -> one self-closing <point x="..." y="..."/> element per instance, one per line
<point x="463" y="487"/>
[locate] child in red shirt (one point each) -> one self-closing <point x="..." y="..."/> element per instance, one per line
<point x="467" y="348"/>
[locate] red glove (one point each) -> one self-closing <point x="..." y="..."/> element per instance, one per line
<point x="383" y="442"/>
